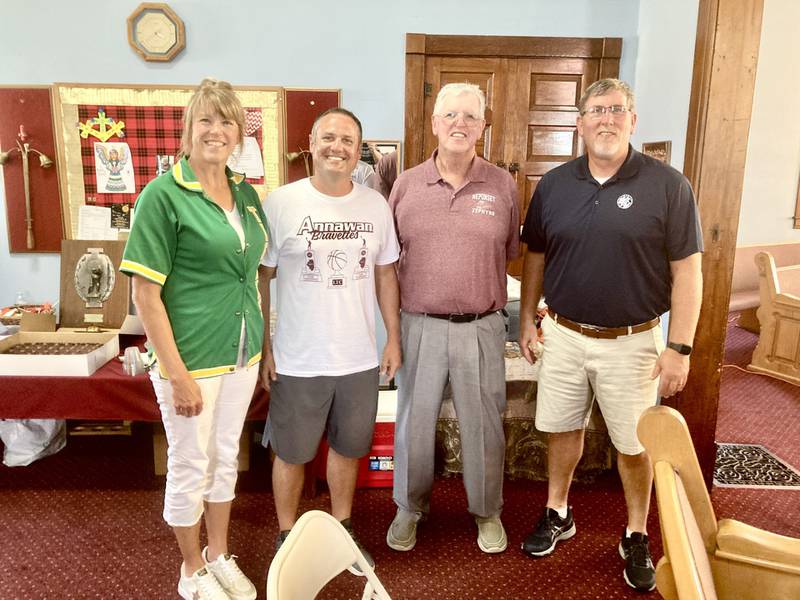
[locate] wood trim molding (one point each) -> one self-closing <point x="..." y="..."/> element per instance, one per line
<point x="517" y="46"/>
<point x="797" y="207"/>
<point x="726" y="57"/>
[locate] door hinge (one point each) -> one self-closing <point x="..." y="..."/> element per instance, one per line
<point x="427" y="89"/>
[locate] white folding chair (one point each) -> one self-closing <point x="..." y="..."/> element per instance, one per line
<point x="317" y="550"/>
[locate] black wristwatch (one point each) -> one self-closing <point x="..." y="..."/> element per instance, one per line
<point x="680" y="348"/>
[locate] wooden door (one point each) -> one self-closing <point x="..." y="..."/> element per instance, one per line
<point x="532" y="88"/>
<point x="541" y="131"/>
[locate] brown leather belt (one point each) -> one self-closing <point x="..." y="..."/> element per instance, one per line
<point x="606" y="333"/>
<point x="461" y="318"/>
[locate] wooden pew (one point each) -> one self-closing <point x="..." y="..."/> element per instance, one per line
<point x="778" y="349"/>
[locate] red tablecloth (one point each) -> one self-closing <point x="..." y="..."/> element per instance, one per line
<point x="108" y="394"/>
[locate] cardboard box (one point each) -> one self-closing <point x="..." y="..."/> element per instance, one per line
<point x="72" y="365"/>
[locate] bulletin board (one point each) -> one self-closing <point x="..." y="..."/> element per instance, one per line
<point x="302" y="108"/>
<point x="112" y="140"/>
<point x="29" y="107"/>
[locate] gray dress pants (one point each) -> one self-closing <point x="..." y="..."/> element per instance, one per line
<point x="470" y="355"/>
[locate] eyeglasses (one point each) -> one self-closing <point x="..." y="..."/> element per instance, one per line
<point x="470" y="120"/>
<point x="616" y="110"/>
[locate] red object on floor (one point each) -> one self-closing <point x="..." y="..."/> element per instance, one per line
<point x="376" y="470"/>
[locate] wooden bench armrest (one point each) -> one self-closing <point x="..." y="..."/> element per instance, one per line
<point x="737" y="539"/>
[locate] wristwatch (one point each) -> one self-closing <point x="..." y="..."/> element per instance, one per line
<point x="680" y="348"/>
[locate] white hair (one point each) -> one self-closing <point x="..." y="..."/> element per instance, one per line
<point x="458" y="89"/>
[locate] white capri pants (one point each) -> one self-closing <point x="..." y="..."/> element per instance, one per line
<point x="203" y="451"/>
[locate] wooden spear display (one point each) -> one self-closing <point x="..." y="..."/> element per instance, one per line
<point x="24" y="148"/>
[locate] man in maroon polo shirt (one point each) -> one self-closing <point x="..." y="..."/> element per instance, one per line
<point x="457" y="221"/>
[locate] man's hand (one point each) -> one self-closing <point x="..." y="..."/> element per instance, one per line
<point x="391" y="360"/>
<point x="673" y="369"/>
<point x="267" y="372"/>
<point x="528" y="337"/>
<point x="186" y="396"/>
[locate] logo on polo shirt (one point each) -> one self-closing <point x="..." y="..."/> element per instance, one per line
<point x="625" y="201"/>
<point x="484" y="204"/>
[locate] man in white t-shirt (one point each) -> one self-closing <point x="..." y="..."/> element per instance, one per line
<point x="334" y="248"/>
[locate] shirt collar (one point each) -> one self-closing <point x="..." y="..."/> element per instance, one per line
<point x="477" y="169"/>
<point x="628" y="169"/>
<point x="184" y="176"/>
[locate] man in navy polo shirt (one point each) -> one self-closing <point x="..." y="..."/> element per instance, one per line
<point x="614" y="242"/>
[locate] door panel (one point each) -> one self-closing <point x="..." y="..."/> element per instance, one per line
<point x="487" y="73"/>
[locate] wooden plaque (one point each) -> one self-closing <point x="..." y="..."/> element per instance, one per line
<point x="87" y="268"/>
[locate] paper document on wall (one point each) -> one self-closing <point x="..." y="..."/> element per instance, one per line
<point x="94" y="223"/>
<point x="247" y="159"/>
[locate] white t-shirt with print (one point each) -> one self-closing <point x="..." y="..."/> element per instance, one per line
<point x="326" y="249"/>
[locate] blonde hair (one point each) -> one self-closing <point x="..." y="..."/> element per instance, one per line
<point x="213" y="95"/>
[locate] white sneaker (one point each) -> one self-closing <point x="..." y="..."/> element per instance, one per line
<point x="230" y="577"/>
<point x="200" y="585"/>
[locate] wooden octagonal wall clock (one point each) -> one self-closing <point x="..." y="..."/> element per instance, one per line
<point x="156" y="32"/>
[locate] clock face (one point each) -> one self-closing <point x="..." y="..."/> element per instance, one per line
<point x="156" y="32"/>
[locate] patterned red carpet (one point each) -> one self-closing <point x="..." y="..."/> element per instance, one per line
<point x="755" y="409"/>
<point x="86" y="523"/>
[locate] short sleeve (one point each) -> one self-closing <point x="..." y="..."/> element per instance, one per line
<point x="150" y="249"/>
<point x="684" y="234"/>
<point x="270" y="209"/>
<point x="390" y="249"/>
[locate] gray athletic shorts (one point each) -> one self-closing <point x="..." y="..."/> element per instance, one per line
<point x="302" y="408"/>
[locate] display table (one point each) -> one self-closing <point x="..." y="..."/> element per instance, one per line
<point x="106" y="395"/>
<point x="526" y="446"/>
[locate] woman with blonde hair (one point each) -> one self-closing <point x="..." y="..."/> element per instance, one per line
<point x="197" y="238"/>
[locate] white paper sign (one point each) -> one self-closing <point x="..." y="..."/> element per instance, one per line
<point x="94" y="223"/>
<point x="247" y="159"/>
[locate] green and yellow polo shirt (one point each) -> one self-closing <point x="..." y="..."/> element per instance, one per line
<point x="182" y="240"/>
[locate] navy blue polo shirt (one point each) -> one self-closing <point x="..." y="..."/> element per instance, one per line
<point x="608" y="247"/>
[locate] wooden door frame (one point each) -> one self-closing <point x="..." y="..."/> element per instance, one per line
<point x="723" y="82"/>
<point x="420" y="45"/>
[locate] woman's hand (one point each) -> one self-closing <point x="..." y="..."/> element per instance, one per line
<point x="186" y="396"/>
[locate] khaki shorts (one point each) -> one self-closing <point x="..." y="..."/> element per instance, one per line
<point x="302" y="408"/>
<point x="576" y="369"/>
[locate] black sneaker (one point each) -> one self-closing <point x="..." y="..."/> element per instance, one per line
<point x="280" y="539"/>
<point x="354" y="568"/>
<point x="550" y="530"/>
<point x="639" y="571"/>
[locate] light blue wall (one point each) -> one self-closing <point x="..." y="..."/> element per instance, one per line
<point x="664" y="60"/>
<point x="356" y="46"/>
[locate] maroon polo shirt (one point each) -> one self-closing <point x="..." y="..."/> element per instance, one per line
<point x="454" y="244"/>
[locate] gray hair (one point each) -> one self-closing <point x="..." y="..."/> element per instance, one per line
<point x="601" y="87"/>
<point x="457" y="89"/>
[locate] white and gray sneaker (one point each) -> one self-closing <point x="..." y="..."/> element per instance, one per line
<point x="200" y="585"/>
<point x="230" y="576"/>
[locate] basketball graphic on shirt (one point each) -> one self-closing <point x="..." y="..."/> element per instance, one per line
<point x="337" y="260"/>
